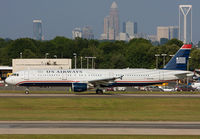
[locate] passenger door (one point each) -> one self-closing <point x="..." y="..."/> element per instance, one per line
<point x="64" y="76"/>
<point x="26" y="75"/>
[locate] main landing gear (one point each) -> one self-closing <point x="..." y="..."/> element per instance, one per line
<point x="99" y="91"/>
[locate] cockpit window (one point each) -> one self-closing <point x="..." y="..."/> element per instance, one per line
<point x="15" y="74"/>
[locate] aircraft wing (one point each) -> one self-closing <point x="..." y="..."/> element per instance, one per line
<point x="183" y="75"/>
<point x="104" y="81"/>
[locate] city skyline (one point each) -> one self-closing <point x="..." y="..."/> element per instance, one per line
<point x="60" y="17"/>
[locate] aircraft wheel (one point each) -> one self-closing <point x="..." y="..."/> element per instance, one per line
<point x="27" y="91"/>
<point x="99" y="91"/>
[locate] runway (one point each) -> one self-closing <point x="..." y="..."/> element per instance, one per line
<point x="100" y="127"/>
<point x="102" y="95"/>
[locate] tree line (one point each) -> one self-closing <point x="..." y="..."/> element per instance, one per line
<point x="137" y="53"/>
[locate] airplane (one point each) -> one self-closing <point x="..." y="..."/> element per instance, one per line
<point x="81" y="80"/>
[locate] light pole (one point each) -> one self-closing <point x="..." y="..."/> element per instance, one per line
<point x="21" y="55"/>
<point x="171" y="56"/>
<point x="81" y="62"/>
<point x="164" y="55"/>
<point x="46" y="55"/>
<point x="93" y="62"/>
<point x="157" y="55"/>
<point x="75" y="60"/>
<point x="88" y="61"/>
<point x="188" y="68"/>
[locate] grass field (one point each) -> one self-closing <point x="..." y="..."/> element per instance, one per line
<point x="111" y="108"/>
<point x="94" y="137"/>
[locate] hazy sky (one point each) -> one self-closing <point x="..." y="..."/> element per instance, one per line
<point x="60" y="17"/>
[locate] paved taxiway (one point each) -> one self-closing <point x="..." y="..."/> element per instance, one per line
<point x="101" y="95"/>
<point x="100" y="127"/>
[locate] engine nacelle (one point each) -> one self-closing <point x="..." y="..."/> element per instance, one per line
<point x="79" y="87"/>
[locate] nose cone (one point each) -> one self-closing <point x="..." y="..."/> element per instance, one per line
<point x="8" y="80"/>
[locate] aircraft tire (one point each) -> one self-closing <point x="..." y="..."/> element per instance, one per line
<point x="26" y="91"/>
<point x="99" y="91"/>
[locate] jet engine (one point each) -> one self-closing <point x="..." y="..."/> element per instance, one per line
<point x="79" y="87"/>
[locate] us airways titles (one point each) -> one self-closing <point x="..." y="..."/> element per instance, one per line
<point x="64" y="71"/>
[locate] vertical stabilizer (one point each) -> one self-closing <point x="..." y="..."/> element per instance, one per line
<point x="180" y="59"/>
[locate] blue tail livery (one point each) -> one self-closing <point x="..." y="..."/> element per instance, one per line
<point x="180" y="59"/>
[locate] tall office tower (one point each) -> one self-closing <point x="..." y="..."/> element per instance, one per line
<point x="106" y="27"/>
<point x="167" y="32"/>
<point x="37" y="29"/>
<point x="135" y="28"/>
<point x="114" y="19"/>
<point x="111" y="23"/>
<point x="185" y="23"/>
<point x="76" y="33"/>
<point x="128" y="28"/>
<point x="173" y="32"/>
<point x="87" y="33"/>
<point x="162" y="32"/>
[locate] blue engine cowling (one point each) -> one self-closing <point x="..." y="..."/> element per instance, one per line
<point x="79" y="87"/>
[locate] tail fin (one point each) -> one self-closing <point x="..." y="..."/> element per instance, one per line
<point x="180" y="59"/>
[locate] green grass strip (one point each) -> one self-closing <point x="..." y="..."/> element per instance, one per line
<point x="108" y="109"/>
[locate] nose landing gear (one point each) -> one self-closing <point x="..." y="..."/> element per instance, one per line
<point x="27" y="91"/>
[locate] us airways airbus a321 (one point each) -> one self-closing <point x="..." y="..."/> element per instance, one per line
<point x="83" y="79"/>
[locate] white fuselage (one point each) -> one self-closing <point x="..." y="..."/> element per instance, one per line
<point x="61" y="77"/>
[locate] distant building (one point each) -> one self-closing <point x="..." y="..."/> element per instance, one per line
<point x="128" y="28"/>
<point x="111" y="23"/>
<point x="135" y="28"/>
<point x="103" y="37"/>
<point x="198" y="44"/>
<point x="162" y="32"/>
<point x="141" y="35"/>
<point x="87" y="33"/>
<point x="76" y="33"/>
<point x="173" y="32"/>
<point x="106" y="27"/>
<point x="168" y="32"/>
<point x="123" y="36"/>
<point x="25" y="64"/>
<point x="152" y="38"/>
<point x="37" y="30"/>
<point x="163" y="41"/>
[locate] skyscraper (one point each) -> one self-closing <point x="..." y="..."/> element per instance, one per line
<point x="135" y="28"/>
<point x="128" y="28"/>
<point x="185" y="23"/>
<point x="111" y="23"/>
<point x="87" y="33"/>
<point x="37" y="29"/>
<point x="162" y="32"/>
<point x="173" y="32"/>
<point x="167" y="32"/>
<point x="76" y="33"/>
